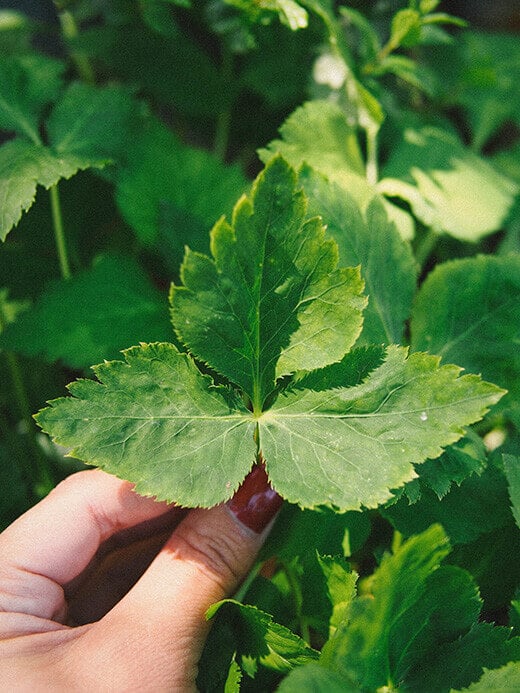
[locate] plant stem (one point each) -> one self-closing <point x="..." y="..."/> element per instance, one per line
<point x="372" y="169"/>
<point x="223" y="123"/>
<point x="70" y="31"/>
<point x="44" y="481"/>
<point x="59" y="235"/>
<point x="38" y="470"/>
<point x="244" y="587"/>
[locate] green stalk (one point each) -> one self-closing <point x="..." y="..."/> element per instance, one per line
<point x="372" y="169"/>
<point x="59" y="234"/>
<point x="39" y="469"/>
<point x="70" y="31"/>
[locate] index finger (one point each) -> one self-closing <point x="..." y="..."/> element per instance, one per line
<point x="54" y="542"/>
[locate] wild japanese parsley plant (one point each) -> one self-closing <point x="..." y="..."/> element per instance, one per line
<point x="268" y="324"/>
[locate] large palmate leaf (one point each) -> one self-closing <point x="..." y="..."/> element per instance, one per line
<point x="158" y="422"/>
<point x="92" y="316"/>
<point x="272" y="300"/>
<point x="354" y="443"/>
<point x="449" y="187"/>
<point x="270" y="303"/>
<point x="502" y="680"/>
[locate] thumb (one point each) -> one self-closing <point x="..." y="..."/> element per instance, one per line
<point x="161" y="621"/>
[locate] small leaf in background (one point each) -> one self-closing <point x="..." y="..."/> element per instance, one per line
<point x="449" y="187"/>
<point x="92" y="123"/>
<point x="406" y="28"/>
<point x="458" y="462"/>
<point x="173" y="69"/>
<point x="491" y="559"/>
<point x="341" y="588"/>
<point x="359" y="650"/>
<point x="512" y="470"/>
<point x="313" y="678"/>
<point x="480" y="73"/>
<point x="24" y="166"/>
<point x="171" y="193"/>
<point x="415" y="605"/>
<point x="350" y="445"/>
<point x="260" y="640"/>
<point x="468" y="312"/>
<point x="170" y="430"/>
<point x="272" y="300"/>
<point x="318" y="134"/>
<point x="234" y="677"/>
<point x="502" y="680"/>
<point x="368" y="239"/>
<point x="28" y="83"/>
<point x="92" y="316"/>
<point x="477" y="506"/>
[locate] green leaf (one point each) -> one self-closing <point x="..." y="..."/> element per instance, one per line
<point x="319" y="135"/>
<point x="341" y="587"/>
<point x="262" y="640"/>
<point x="313" y="678"/>
<point x="289" y="12"/>
<point x="170" y="193"/>
<point x="92" y="123"/>
<point x="448" y="187"/>
<point x="232" y="684"/>
<point x="9" y="310"/>
<point x="413" y="605"/>
<point x="349" y="445"/>
<point x="458" y="663"/>
<point x="368" y="239"/>
<point x="27" y="84"/>
<point x="468" y="312"/>
<point x="457" y="463"/>
<point x="299" y="532"/>
<point x="502" y="680"/>
<point x="92" y="316"/>
<point x="406" y="28"/>
<point x="512" y="470"/>
<point x="479" y="505"/>
<point x="447" y="608"/>
<point x="493" y="561"/>
<point x="156" y="421"/>
<point x="175" y="70"/>
<point x="483" y="77"/>
<point x="24" y="166"/>
<point x="272" y="301"/>
<point x="360" y="648"/>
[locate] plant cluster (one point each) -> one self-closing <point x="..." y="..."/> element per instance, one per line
<point x="350" y="319"/>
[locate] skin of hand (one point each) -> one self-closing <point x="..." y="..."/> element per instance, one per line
<point x="56" y="570"/>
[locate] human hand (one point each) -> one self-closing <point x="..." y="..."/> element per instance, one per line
<point x="152" y="638"/>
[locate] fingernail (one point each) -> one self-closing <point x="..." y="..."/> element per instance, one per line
<point x="256" y="502"/>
